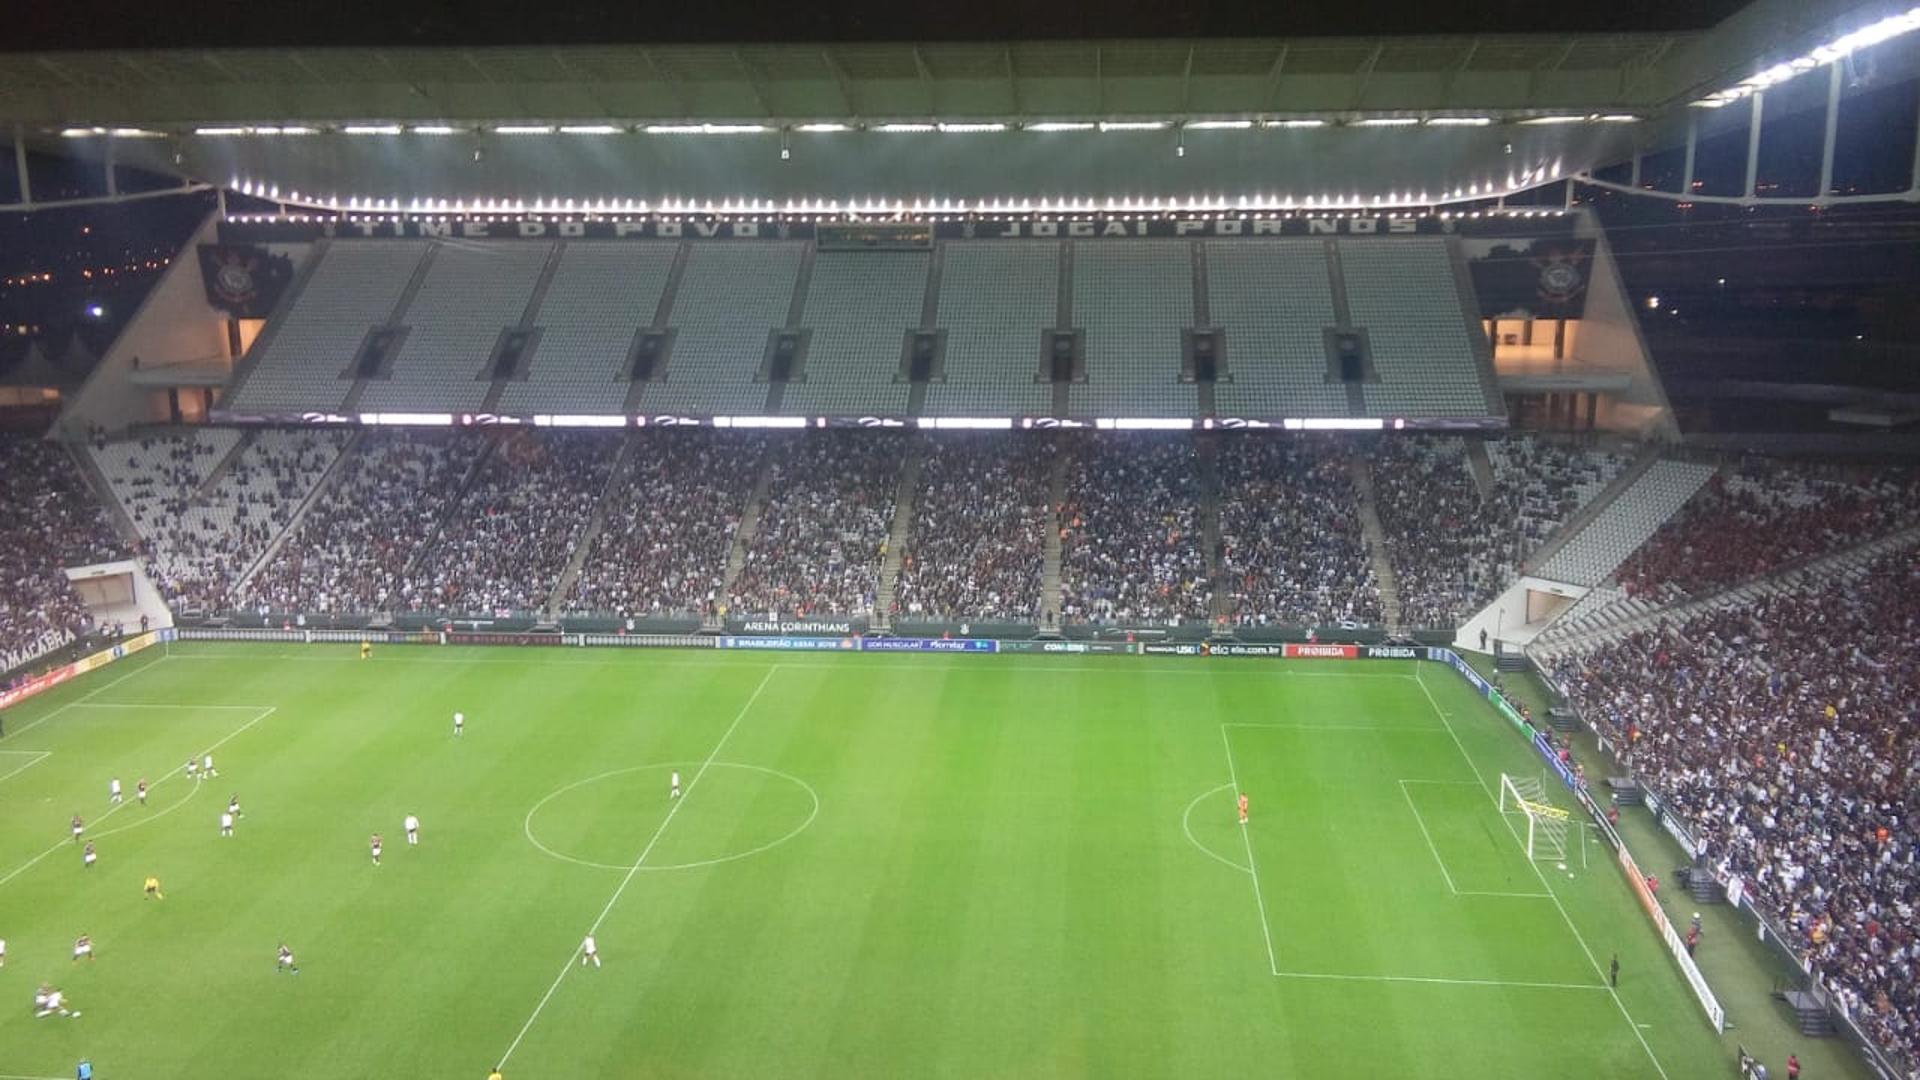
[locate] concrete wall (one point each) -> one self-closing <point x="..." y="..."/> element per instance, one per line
<point x="145" y="601"/>
<point x="1518" y="615"/>
<point x="1610" y="338"/>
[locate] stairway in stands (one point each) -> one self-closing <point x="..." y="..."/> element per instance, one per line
<point x="1376" y="542"/>
<point x="1572" y="527"/>
<point x="1592" y="555"/>
<point x="904" y="491"/>
<point x="744" y="535"/>
<point x="583" y="544"/>
<point x="1481" y="466"/>
<point x="1581" y="629"/>
<point x="103" y="493"/>
<point x="327" y="480"/>
<point x="455" y="505"/>
<point x="1050" y="567"/>
<point x="225" y="466"/>
<point x="1207" y="452"/>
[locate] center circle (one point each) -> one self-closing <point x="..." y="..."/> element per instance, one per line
<point x="610" y="820"/>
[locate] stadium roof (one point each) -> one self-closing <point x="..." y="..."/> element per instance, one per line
<point x="156" y="24"/>
<point x="802" y="82"/>
<point x="1373" y="121"/>
<point x="180" y="88"/>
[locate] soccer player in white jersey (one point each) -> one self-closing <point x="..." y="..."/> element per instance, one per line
<point x="674" y="791"/>
<point x="226" y="823"/>
<point x="589" y="952"/>
<point x="459" y="723"/>
<point x="193" y="768"/>
<point x="48" y="1001"/>
<point x="412" y="825"/>
<point x="373" y="846"/>
<point x="206" y="766"/>
<point x="113" y="790"/>
<point x="83" y="948"/>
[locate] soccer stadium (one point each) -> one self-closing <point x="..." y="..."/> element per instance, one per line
<point x="1334" y="554"/>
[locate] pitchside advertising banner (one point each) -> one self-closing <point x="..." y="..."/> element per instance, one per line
<point x="47" y="680"/>
<point x="1637" y="880"/>
<point x="1077" y="648"/>
<point x="899" y="644"/>
<point x="792" y="644"/>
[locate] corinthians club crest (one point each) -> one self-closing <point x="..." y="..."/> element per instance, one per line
<point x="1562" y="275"/>
<point x="245" y="281"/>
<point x="233" y="282"/>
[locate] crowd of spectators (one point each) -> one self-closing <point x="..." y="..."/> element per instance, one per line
<point x="670" y="526"/>
<point x="824" y="531"/>
<point x="1291" y="543"/>
<point x="1131" y="549"/>
<point x="205" y="524"/>
<point x="1763" y="515"/>
<point x="50" y="522"/>
<point x="1786" y="735"/>
<point x="350" y="553"/>
<point x="153" y="475"/>
<point x="978" y="544"/>
<point x="1539" y="484"/>
<point x="505" y="545"/>
<point x="1449" y="548"/>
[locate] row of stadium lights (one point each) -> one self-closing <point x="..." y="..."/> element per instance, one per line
<point x="944" y="209"/>
<point x="1839" y="48"/>
<point x="887" y="127"/>
<point x="1443" y="215"/>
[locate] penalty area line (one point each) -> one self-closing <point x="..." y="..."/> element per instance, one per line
<point x="84" y="698"/>
<point x="177" y="770"/>
<point x="1422" y="822"/>
<point x="37" y="757"/>
<point x="1632" y="1024"/>
<point x="1435" y="981"/>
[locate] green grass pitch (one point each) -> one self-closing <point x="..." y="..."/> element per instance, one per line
<point x="881" y="866"/>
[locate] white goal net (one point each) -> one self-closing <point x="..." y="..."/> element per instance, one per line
<point x="1546" y="824"/>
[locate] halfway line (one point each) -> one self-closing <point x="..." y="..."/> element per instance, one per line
<point x="637" y="863"/>
<point x="1252" y="867"/>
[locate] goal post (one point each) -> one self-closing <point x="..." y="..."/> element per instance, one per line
<point x="1546" y="824"/>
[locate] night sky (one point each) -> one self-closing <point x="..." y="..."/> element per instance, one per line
<point x="94" y="24"/>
